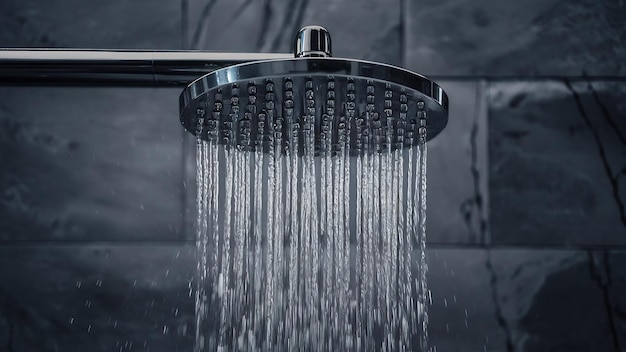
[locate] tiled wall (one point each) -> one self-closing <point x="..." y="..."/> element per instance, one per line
<point x="527" y="184"/>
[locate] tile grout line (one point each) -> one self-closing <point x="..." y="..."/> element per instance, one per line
<point x="472" y="207"/>
<point x="483" y="235"/>
<point x="486" y="103"/>
<point x="475" y="202"/>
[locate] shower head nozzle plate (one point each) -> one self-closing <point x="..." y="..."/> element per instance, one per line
<point x="371" y="105"/>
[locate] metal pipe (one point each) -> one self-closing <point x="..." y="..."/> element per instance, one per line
<point x="130" y="68"/>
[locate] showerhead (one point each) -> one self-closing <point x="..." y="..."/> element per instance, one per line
<point x="337" y="102"/>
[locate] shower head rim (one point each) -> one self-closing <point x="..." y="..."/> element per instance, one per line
<point x="200" y="86"/>
<point x="411" y="83"/>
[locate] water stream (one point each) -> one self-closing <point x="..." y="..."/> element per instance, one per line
<point x="318" y="250"/>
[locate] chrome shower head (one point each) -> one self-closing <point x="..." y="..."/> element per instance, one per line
<point x="365" y="105"/>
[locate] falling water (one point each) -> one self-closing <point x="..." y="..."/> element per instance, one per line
<point x="311" y="235"/>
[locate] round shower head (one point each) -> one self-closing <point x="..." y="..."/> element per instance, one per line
<point x="368" y="105"/>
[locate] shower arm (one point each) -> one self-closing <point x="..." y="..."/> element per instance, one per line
<point x="115" y="68"/>
<point x="137" y="68"/>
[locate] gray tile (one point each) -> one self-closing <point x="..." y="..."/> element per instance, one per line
<point x="190" y="212"/>
<point x="90" y="164"/>
<point x="107" y="24"/>
<point x="538" y="37"/>
<point x="457" y="169"/>
<point x="462" y="315"/>
<point x="556" y="163"/>
<point x="85" y="298"/>
<point x="613" y="272"/>
<point x="224" y="25"/>
<point x="549" y="301"/>
<point x="517" y="300"/>
<point x="103" y="298"/>
<point x="369" y="30"/>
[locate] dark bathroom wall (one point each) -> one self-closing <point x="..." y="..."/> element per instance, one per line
<point x="527" y="184"/>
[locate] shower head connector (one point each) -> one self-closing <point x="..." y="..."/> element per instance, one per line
<point x="361" y="105"/>
<point x="312" y="41"/>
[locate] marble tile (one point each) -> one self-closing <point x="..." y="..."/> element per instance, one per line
<point x="90" y="164"/>
<point x="549" y="301"/>
<point x="522" y="300"/>
<point x="611" y="274"/>
<point x="91" y="24"/>
<point x="457" y="209"/>
<point x="462" y="314"/>
<point x="369" y="30"/>
<point x="105" y="298"/>
<point x="190" y="187"/>
<point x="84" y="298"/>
<point x="508" y="38"/>
<point x="557" y="155"/>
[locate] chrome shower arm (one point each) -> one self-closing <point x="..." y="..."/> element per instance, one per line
<point x="115" y="68"/>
